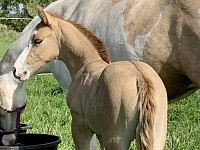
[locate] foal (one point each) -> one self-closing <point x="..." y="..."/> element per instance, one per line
<point x="118" y="101"/>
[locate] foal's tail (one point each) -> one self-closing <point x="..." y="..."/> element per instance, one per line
<point x="147" y="108"/>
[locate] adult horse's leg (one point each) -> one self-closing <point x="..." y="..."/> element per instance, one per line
<point x="93" y="143"/>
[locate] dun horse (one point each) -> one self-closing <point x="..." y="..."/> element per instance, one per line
<point x="118" y="101"/>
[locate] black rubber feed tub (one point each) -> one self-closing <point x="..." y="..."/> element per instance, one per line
<point x="34" y="142"/>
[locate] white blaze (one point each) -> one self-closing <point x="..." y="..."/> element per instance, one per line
<point x="19" y="64"/>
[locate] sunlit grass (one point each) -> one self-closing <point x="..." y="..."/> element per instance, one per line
<point x="7" y="37"/>
<point x="184" y="124"/>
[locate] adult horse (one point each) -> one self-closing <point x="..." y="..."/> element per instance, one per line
<point x="118" y="101"/>
<point x="162" y="33"/>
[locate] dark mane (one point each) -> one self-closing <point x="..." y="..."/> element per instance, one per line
<point x="98" y="44"/>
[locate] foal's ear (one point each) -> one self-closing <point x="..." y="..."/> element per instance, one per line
<point x="46" y="18"/>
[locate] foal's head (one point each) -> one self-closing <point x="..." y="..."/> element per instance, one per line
<point x="42" y="48"/>
<point x="46" y="44"/>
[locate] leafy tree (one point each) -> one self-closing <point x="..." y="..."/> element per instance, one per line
<point x="19" y="9"/>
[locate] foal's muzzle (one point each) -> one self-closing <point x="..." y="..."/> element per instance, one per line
<point x="19" y="76"/>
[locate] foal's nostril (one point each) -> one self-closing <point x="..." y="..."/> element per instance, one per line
<point x="25" y="72"/>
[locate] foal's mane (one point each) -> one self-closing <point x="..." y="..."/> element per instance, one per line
<point x="97" y="43"/>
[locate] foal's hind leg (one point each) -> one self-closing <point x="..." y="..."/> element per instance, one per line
<point x="160" y="128"/>
<point x="115" y="144"/>
<point x="81" y="134"/>
<point x="115" y="139"/>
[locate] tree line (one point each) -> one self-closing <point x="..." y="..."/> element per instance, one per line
<point x="19" y="9"/>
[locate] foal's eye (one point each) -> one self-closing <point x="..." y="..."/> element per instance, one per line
<point x="37" y="41"/>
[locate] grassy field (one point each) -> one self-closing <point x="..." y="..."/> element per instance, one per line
<point x="47" y="111"/>
<point x="7" y="37"/>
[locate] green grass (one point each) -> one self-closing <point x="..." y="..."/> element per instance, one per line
<point x="47" y="112"/>
<point x="7" y="37"/>
<point x="184" y="124"/>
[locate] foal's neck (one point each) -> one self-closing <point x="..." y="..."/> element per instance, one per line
<point x="76" y="50"/>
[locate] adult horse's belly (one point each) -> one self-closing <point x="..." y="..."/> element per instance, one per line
<point x="178" y="85"/>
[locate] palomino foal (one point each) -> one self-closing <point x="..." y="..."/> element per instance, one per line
<point x="118" y="101"/>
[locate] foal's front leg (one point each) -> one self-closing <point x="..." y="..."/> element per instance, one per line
<point x="81" y="133"/>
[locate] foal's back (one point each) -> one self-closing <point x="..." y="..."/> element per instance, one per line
<point x="133" y="103"/>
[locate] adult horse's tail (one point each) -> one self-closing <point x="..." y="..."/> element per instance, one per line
<point x="147" y="109"/>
